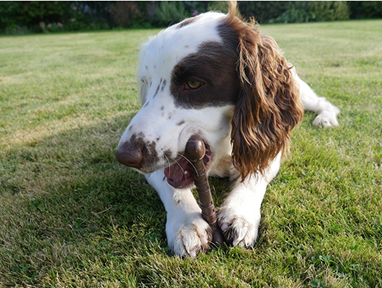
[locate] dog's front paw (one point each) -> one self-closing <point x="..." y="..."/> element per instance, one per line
<point x="239" y="225"/>
<point x="188" y="236"/>
<point x="322" y="121"/>
<point x="327" y="118"/>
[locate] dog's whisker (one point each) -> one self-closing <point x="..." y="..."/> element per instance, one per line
<point x="175" y="161"/>
<point x="192" y="164"/>
<point x="167" y="159"/>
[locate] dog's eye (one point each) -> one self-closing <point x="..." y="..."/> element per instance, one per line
<point x="193" y="84"/>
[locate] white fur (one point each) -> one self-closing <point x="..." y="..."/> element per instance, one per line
<point x="157" y="122"/>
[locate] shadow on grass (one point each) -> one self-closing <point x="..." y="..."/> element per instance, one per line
<point x="66" y="195"/>
<point x="71" y="203"/>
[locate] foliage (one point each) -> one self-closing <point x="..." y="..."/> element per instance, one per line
<point x="55" y="16"/>
<point x="365" y="9"/>
<point x="126" y="14"/>
<point x="194" y="8"/>
<point x="315" y="11"/>
<point x="168" y="12"/>
<point x="262" y="11"/>
<point x="87" y="15"/>
<point x="30" y="14"/>
<point x="221" y="6"/>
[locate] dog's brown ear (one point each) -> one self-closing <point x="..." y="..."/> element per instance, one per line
<point x="268" y="106"/>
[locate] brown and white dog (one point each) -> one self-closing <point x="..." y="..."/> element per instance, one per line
<point x="219" y="77"/>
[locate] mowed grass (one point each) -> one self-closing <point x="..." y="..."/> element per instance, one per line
<point x="71" y="216"/>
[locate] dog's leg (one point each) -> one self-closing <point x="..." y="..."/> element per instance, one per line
<point x="187" y="232"/>
<point x="326" y="111"/>
<point x="239" y="215"/>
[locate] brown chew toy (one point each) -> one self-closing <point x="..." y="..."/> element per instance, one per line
<point x="195" y="151"/>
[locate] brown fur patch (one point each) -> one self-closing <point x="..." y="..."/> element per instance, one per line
<point x="186" y="22"/>
<point x="215" y="66"/>
<point x="268" y="106"/>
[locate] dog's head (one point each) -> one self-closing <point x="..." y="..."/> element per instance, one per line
<point x="216" y="76"/>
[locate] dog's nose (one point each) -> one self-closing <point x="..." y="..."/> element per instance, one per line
<point x="130" y="155"/>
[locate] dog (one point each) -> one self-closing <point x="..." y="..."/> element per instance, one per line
<point x="217" y="76"/>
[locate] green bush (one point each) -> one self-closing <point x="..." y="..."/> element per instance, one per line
<point x="85" y="15"/>
<point x="18" y="16"/>
<point x="54" y="16"/>
<point x="314" y="11"/>
<point x="9" y="17"/>
<point x="365" y="9"/>
<point x="170" y="12"/>
<point x="262" y="11"/>
<point x="219" y="6"/>
<point x="295" y="11"/>
<point x="129" y="14"/>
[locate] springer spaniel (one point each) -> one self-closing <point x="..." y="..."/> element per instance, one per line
<point x="219" y="77"/>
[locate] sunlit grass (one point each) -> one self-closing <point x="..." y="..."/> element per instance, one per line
<point x="71" y="216"/>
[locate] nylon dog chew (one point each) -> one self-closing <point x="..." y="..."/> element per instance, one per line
<point x="195" y="151"/>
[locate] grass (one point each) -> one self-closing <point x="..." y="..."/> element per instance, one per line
<point x="71" y="216"/>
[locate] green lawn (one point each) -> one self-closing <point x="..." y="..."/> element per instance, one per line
<point x="71" y="216"/>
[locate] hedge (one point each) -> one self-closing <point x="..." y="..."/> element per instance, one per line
<point x="55" y="16"/>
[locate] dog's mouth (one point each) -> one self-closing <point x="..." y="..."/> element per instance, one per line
<point x="179" y="174"/>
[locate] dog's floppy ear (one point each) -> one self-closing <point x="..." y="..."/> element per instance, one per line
<point x="268" y="107"/>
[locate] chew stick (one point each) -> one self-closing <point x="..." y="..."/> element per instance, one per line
<point x="195" y="151"/>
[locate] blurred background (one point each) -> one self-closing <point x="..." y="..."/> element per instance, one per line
<point x="57" y="16"/>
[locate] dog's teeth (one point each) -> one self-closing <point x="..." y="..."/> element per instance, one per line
<point x="185" y="172"/>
